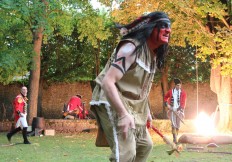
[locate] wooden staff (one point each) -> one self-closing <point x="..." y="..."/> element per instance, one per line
<point x="167" y="141"/>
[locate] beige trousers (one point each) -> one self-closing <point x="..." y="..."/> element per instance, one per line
<point x="133" y="149"/>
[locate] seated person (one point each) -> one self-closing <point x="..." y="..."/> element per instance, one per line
<point x="75" y="108"/>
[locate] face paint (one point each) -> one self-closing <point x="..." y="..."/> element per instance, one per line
<point x="164" y="34"/>
<point x="161" y="33"/>
<point x="164" y="29"/>
<point x="163" y="25"/>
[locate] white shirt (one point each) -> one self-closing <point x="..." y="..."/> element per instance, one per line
<point x="175" y="94"/>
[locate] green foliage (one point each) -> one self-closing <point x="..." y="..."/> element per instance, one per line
<point x="183" y="64"/>
<point x="67" y="59"/>
<point x="81" y="147"/>
<point x="190" y="21"/>
<point x="223" y="54"/>
<point x="93" y="26"/>
<point x="76" y="52"/>
<point x="76" y="35"/>
<point x="59" y="20"/>
<point x="15" y="47"/>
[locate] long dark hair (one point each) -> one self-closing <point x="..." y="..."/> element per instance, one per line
<point x="141" y="28"/>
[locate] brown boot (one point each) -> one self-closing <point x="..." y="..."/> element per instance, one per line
<point x="174" y="138"/>
<point x="174" y="135"/>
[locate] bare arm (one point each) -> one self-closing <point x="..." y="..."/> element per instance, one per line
<point x="120" y="65"/>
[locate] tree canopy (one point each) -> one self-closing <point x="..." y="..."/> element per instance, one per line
<point x="78" y="39"/>
<point x="190" y="23"/>
<point x="72" y="31"/>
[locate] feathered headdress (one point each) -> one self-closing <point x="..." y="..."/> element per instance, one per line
<point x="154" y="18"/>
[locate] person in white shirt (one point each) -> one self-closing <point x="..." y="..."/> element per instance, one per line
<point x="175" y="100"/>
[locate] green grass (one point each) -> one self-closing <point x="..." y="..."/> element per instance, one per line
<point x="81" y="148"/>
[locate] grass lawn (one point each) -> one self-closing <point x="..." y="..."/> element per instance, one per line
<point x="81" y="148"/>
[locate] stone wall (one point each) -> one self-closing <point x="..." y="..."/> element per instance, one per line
<point x="62" y="126"/>
<point x="53" y="97"/>
<point x="7" y="95"/>
<point x="70" y="126"/>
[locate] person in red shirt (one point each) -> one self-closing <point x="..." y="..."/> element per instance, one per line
<point x="75" y="107"/>
<point x="20" y="115"/>
<point x="75" y="103"/>
<point x="175" y="100"/>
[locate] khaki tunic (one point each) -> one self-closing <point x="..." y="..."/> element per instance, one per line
<point x="134" y="86"/>
<point x="133" y="89"/>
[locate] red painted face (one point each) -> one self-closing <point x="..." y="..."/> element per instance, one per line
<point x="161" y="37"/>
<point x="164" y="35"/>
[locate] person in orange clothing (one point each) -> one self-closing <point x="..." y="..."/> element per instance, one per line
<point x="175" y="100"/>
<point x="20" y="115"/>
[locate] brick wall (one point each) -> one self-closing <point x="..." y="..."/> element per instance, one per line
<point x="54" y="96"/>
<point x="70" y="126"/>
<point x="62" y="126"/>
<point x="59" y="125"/>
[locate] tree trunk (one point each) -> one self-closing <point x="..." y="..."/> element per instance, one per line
<point x="164" y="80"/>
<point x="35" y="75"/>
<point x="164" y="86"/>
<point x="97" y="58"/>
<point x="222" y="86"/>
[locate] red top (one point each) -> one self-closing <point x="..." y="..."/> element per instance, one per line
<point x="74" y="104"/>
<point x="183" y="97"/>
<point x="19" y="103"/>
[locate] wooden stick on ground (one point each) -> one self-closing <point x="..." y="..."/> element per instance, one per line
<point x="167" y="141"/>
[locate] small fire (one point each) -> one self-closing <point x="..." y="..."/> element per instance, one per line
<point x="205" y="125"/>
